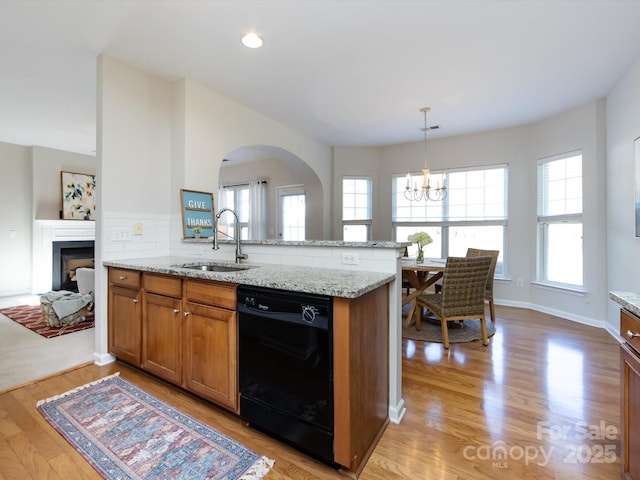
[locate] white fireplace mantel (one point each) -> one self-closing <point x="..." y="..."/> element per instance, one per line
<point x="45" y="232"/>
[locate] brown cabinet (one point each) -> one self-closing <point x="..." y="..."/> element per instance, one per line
<point x="125" y="315"/>
<point x="210" y="342"/>
<point x="630" y="396"/>
<point x="162" y="326"/>
<point x="183" y="331"/>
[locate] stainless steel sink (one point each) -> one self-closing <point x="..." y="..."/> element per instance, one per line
<point x="207" y="267"/>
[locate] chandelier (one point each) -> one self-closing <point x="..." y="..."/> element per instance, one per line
<point x="425" y="192"/>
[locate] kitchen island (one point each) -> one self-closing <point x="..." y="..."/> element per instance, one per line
<point x="178" y="322"/>
<point x="325" y="281"/>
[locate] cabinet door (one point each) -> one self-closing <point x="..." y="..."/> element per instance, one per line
<point x="211" y="353"/>
<point x="162" y="336"/>
<point x="125" y="321"/>
<point x="630" y="413"/>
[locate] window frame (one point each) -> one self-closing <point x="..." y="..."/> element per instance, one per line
<point x="227" y="219"/>
<point x="544" y="220"/>
<point x="366" y="222"/>
<point x="445" y="223"/>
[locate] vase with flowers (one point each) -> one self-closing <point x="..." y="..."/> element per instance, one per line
<point x="421" y="239"/>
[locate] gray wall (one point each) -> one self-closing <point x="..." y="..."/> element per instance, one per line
<point x="519" y="147"/>
<point x="30" y="189"/>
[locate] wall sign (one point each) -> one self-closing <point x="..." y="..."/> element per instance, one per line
<point x="197" y="213"/>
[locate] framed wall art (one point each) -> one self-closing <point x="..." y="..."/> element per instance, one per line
<point x="78" y="196"/>
<point x="197" y="214"/>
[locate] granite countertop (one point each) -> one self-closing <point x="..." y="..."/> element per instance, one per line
<point x="307" y="243"/>
<point x="629" y="300"/>
<point x="323" y="281"/>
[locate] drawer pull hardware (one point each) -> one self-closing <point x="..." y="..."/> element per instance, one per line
<point x="135" y="300"/>
<point x="123" y="277"/>
<point x="186" y="314"/>
<point x="630" y="334"/>
<point x="175" y="310"/>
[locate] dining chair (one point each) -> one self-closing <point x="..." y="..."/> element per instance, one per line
<point x="462" y="298"/>
<point x="488" y="291"/>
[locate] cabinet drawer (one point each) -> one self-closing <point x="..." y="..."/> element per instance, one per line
<point x="217" y="294"/>
<point x="162" y="285"/>
<point x="630" y="323"/>
<point x="124" y="278"/>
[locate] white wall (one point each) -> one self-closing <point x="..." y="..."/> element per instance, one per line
<point x="134" y="147"/>
<point x="359" y="161"/>
<point x="623" y="249"/>
<point x="134" y="152"/>
<point x="30" y="188"/>
<point x="16" y="219"/>
<point x="519" y="147"/>
<point x="578" y="129"/>
<point x="216" y="125"/>
<point x="47" y="165"/>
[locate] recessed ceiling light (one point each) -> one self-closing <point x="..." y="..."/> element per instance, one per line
<point x="252" y="40"/>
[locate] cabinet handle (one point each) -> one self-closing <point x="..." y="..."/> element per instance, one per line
<point x="175" y="310"/>
<point x="630" y="334"/>
<point x="135" y="300"/>
<point x="123" y="277"/>
<point x="186" y="314"/>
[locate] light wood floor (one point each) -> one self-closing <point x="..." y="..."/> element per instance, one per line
<point x="542" y="385"/>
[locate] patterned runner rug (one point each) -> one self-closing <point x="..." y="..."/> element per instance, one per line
<point x="30" y="316"/>
<point x="126" y="433"/>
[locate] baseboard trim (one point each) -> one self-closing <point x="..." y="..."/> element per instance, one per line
<point x="101" y="359"/>
<point x="556" y="313"/>
<point x="396" y="413"/>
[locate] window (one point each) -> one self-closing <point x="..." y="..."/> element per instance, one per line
<point x="474" y="214"/>
<point x="356" y="209"/>
<point x="236" y="198"/>
<point x="560" y="219"/>
<point x="292" y="213"/>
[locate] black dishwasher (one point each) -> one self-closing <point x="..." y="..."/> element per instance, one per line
<point x="285" y="366"/>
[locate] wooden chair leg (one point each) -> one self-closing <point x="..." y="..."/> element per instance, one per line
<point x="445" y="333"/>
<point x="483" y="329"/>
<point x="492" y="310"/>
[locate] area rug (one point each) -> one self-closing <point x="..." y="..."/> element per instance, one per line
<point x="30" y="316"/>
<point x="431" y="331"/>
<point x="125" y="433"/>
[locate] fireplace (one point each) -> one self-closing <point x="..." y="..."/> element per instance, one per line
<point x="67" y="257"/>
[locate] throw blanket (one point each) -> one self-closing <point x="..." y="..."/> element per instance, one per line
<point x="66" y="303"/>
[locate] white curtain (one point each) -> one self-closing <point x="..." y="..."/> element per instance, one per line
<point x="222" y="199"/>
<point x="258" y="215"/>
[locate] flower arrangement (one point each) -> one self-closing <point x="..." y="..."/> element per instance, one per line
<point x="421" y="239"/>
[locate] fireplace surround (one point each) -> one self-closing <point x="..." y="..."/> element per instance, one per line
<point x="45" y="233"/>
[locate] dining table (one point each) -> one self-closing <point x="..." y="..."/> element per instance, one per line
<point x="419" y="277"/>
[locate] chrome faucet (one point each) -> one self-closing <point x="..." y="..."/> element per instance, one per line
<point x="239" y="254"/>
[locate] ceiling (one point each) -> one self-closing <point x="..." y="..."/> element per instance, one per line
<point x="347" y="72"/>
